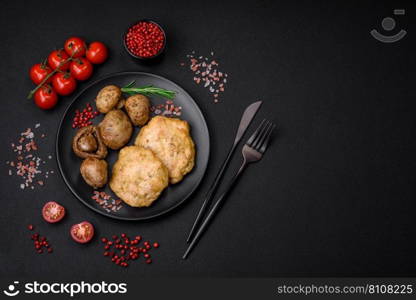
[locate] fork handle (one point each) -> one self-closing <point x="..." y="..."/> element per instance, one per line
<point x="214" y="209"/>
<point x="210" y="194"/>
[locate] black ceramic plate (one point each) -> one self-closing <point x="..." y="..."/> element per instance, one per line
<point x="172" y="196"/>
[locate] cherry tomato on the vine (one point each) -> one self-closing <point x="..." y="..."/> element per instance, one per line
<point x="81" y="68"/>
<point x="45" y="97"/>
<point x="75" y="46"/>
<point x="97" y="53"/>
<point x="64" y="83"/>
<point x="56" y="58"/>
<point x="38" y="73"/>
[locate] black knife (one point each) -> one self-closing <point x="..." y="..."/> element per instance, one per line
<point x="246" y="119"/>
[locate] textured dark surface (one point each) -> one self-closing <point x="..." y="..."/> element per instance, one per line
<point x="334" y="195"/>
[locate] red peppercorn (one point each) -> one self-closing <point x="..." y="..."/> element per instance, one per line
<point x="30" y="227"/>
<point x="155" y="245"/>
<point x="145" y="39"/>
<point x="149" y="261"/>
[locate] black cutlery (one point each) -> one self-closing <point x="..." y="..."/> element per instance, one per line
<point x="252" y="151"/>
<point x="245" y="121"/>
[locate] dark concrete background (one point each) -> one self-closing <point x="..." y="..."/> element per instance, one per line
<point x="334" y="196"/>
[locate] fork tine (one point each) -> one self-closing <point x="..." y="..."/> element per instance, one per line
<point x="259" y="133"/>
<point x="254" y="135"/>
<point x="265" y="141"/>
<point x="257" y="141"/>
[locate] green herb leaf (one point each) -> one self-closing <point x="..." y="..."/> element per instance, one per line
<point x="148" y="90"/>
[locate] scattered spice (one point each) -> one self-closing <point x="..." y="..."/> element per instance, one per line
<point x="40" y="243"/>
<point x="123" y="250"/>
<point x="167" y="109"/>
<point x="145" y="39"/>
<point x="207" y="73"/>
<point x="27" y="164"/>
<point x="106" y="201"/>
<point x="82" y="118"/>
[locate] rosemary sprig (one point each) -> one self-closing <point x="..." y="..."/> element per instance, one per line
<point x="148" y="90"/>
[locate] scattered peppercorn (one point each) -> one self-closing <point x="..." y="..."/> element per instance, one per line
<point x="123" y="249"/>
<point x="40" y="242"/>
<point x="82" y="118"/>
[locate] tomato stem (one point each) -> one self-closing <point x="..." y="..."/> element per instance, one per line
<point x="32" y="92"/>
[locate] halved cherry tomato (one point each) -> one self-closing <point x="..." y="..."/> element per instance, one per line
<point x="63" y="83"/>
<point x="53" y="212"/>
<point x="81" y="68"/>
<point x="46" y="97"/>
<point x="97" y="53"/>
<point x="75" y="46"/>
<point x="38" y="73"/>
<point x="57" y="57"/>
<point x="82" y="232"/>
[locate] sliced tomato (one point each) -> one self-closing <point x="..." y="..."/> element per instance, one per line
<point x="53" y="212"/>
<point x="82" y="232"/>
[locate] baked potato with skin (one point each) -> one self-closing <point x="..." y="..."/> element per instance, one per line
<point x="108" y="98"/>
<point x="121" y="103"/>
<point x="138" y="109"/>
<point x="115" y="129"/>
<point x="94" y="171"/>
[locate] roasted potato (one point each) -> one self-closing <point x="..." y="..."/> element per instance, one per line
<point x="108" y="98"/>
<point x="138" y="109"/>
<point x="94" y="171"/>
<point x="115" y="129"/>
<point x="121" y="103"/>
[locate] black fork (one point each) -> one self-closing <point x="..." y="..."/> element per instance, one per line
<point x="252" y="151"/>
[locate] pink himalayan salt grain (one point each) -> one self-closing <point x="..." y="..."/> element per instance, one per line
<point x="168" y="109"/>
<point x="107" y="202"/>
<point x="207" y="71"/>
<point x="27" y="164"/>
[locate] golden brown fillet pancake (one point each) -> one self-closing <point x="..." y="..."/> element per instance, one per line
<point x="171" y="141"/>
<point x="138" y="176"/>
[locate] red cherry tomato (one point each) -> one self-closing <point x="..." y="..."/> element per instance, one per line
<point x="75" y="46"/>
<point x="57" y="57"/>
<point x="46" y="97"/>
<point x="81" y="68"/>
<point x="82" y="232"/>
<point x="63" y="83"/>
<point x="53" y="212"/>
<point x="38" y="73"/>
<point x="97" y="53"/>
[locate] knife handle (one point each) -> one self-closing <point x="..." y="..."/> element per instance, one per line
<point x="210" y="194"/>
